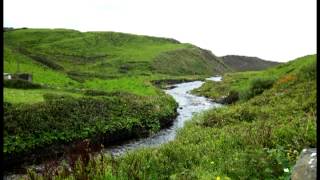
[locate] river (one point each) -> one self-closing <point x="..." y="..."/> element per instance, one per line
<point x="188" y="105"/>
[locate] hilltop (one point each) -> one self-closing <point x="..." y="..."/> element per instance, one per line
<point x="246" y="63"/>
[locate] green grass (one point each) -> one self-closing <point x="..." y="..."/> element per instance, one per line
<point x="108" y="54"/>
<point x="242" y="81"/>
<point x="251" y="139"/>
<point x="32" y="96"/>
<point x="179" y="62"/>
<point x="69" y="60"/>
<point x="40" y="73"/>
<point x="136" y="85"/>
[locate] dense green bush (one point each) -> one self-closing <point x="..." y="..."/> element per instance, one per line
<point x="93" y="92"/>
<point x="20" y="84"/>
<point x="52" y="96"/>
<point x="308" y="71"/>
<point x="232" y="97"/>
<point x="65" y="119"/>
<point x="257" y="86"/>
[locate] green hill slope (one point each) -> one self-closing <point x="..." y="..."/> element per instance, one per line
<point x="70" y="60"/>
<point x="245" y="63"/>
<point x="109" y="54"/>
<point x="240" y="82"/>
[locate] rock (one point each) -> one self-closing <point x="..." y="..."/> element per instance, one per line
<point x="306" y="166"/>
<point x="168" y="87"/>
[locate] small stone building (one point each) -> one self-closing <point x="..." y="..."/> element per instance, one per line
<point x="22" y="76"/>
<point x="7" y="76"/>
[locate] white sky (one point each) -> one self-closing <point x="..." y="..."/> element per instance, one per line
<point x="278" y="30"/>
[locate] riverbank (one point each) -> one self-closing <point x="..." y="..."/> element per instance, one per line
<point x="188" y="105"/>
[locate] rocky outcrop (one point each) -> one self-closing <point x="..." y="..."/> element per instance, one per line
<point x="306" y="166"/>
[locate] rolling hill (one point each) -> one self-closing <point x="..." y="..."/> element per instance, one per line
<point x="246" y="63"/>
<point x="105" y="55"/>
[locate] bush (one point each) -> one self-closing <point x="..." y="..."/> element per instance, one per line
<point x="92" y="92"/>
<point x="257" y="86"/>
<point x="232" y="97"/>
<point x="20" y="84"/>
<point x="309" y="71"/>
<point x="61" y="119"/>
<point x="52" y="97"/>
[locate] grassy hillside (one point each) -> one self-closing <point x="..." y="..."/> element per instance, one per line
<point x="108" y="54"/>
<point x="256" y="138"/>
<point x="241" y="82"/>
<point x="201" y="61"/>
<point x="245" y="63"/>
<point x="70" y="60"/>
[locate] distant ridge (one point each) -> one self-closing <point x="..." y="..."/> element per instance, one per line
<point x="247" y="63"/>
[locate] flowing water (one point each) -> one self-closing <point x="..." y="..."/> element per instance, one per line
<point x="188" y="105"/>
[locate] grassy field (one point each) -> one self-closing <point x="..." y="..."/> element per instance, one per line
<point x="31" y="96"/>
<point x="256" y="138"/>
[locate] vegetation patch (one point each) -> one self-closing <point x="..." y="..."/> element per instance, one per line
<point x="178" y="62"/>
<point x="20" y="84"/>
<point x="62" y="119"/>
<point x="251" y="83"/>
<point x="257" y="86"/>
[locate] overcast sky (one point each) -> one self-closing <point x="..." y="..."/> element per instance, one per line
<point x="278" y="30"/>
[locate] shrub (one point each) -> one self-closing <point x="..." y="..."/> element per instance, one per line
<point x="52" y="96"/>
<point x="92" y="92"/>
<point x="232" y="97"/>
<point x="61" y="119"/>
<point x="257" y="86"/>
<point x="308" y="71"/>
<point x="286" y="80"/>
<point x="20" y="84"/>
